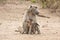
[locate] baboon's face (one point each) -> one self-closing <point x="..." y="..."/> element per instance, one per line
<point x="34" y="9"/>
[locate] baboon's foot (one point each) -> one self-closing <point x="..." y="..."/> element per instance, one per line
<point x="17" y="31"/>
<point x="32" y="33"/>
<point x="20" y="32"/>
<point x="24" y="32"/>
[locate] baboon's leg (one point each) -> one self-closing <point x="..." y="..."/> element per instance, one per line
<point x="37" y="29"/>
<point x="24" y="28"/>
<point x="34" y="30"/>
<point x="30" y="30"/>
<point x="27" y="30"/>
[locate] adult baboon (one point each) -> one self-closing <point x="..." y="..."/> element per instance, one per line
<point x="31" y="14"/>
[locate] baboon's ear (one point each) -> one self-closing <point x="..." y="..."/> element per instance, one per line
<point x="30" y="6"/>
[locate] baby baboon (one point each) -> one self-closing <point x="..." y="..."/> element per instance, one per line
<point x="35" y="28"/>
<point x="29" y="26"/>
<point x="32" y="27"/>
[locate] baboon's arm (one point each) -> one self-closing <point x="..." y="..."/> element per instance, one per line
<point x="43" y="16"/>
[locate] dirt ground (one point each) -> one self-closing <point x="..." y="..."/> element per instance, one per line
<point x="11" y="17"/>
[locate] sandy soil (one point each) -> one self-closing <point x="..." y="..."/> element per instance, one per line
<point x="11" y="17"/>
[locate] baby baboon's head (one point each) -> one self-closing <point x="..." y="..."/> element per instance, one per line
<point x="33" y="10"/>
<point x="35" y="24"/>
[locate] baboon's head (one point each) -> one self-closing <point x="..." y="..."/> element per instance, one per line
<point x="33" y="9"/>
